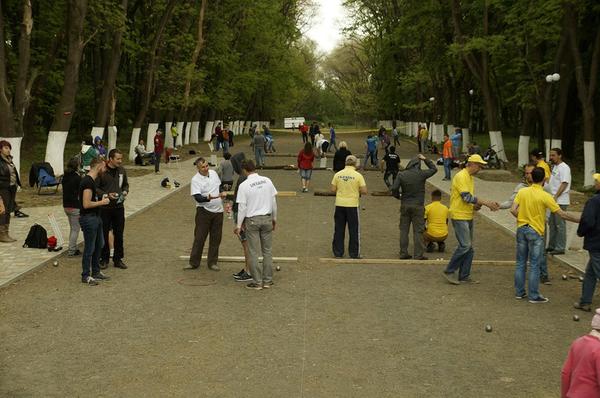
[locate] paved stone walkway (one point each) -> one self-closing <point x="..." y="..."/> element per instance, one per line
<point x="16" y="261"/>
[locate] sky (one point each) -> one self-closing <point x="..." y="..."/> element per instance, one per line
<point x="327" y="24"/>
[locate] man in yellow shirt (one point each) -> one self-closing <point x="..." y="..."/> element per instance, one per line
<point x="348" y="184"/>
<point x="463" y="203"/>
<point x="423" y="136"/>
<point x="529" y="207"/>
<point x="436" y="215"/>
<point x="537" y="157"/>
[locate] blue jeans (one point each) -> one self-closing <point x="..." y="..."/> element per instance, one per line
<point x="592" y="273"/>
<point x="225" y="146"/>
<point x="530" y="245"/>
<point x="91" y="225"/>
<point x="373" y="156"/>
<point x="259" y="156"/>
<point x="462" y="259"/>
<point x="448" y="168"/>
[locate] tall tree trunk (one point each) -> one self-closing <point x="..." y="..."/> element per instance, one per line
<point x="6" y="116"/>
<point x="23" y="86"/>
<point x="148" y="84"/>
<point x="108" y="86"/>
<point x="586" y="89"/>
<point x="66" y="106"/>
<point x="195" y="56"/>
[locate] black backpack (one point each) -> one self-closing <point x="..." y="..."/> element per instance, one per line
<point x="37" y="238"/>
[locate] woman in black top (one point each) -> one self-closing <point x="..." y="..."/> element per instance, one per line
<point x="339" y="159"/>
<point x="71" y="204"/>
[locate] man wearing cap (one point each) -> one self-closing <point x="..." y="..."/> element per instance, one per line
<point x="529" y="207"/>
<point x="589" y="228"/>
<point x="209" y="215"/>
<point x="348" y="184"/>
<point x="537" y="157"/>
<point x="463" y="203"/>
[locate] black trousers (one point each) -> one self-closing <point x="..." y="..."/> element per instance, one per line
<point x="113" y="218"/>
<point x="346" y="216"/>
<point x="8" y="197"/>
<point x="207" y="223"/>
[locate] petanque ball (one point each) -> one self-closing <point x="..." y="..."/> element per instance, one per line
<point x="364" y="208"/>
<point x="488" y="328"/>
<point x="55" y="263"/>
<point x="576" y="318"/>
<point x="278" y="268"/>
<point x="564" y="277"/>
<point x="581" y="279"/>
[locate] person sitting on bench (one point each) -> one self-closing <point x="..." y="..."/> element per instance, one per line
<point x="141" y="154"/>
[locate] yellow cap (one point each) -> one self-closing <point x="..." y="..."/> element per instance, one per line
<point x="596" y="177"/>
<point x="476" y="159"/>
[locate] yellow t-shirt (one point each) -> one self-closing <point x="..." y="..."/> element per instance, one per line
<point x="348" y="183"/>
<point x="436" y="215"/>
<point x="459" y="209"/>
<point x="423" y="134"/>
<point x="533" y="202"/>
<point x="542" y="163"/>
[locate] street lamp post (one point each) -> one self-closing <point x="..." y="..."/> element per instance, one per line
<point x="551" y="79"/>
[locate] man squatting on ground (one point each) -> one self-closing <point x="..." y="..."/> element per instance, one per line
<point x="529" y="208"/>
<point x="436" y="228"/>
<point x="463" y="203"/>
<point x="257" y="212"/>
<point x="113" y="182"/>
<point x="589" y="228"/>
<point x="205" y="189"/>
<point x="91" y="223"/>
<point x="409" y="187"/>
<point x="348" y="184"/>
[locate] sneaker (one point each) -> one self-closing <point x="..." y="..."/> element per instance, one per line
<point x="430" y="247"/>
<point x="441" y="247"/>
<point x="20" y="214"/>
<point x="540" y="299"/>
<point x="103" y="264"/>
<point x="451" y="279"/>
<point x="245" y="277"/>
<point x="254" y="286"/>
<point x="100" y="276"/>
<point x="242" y="272"/>
<point x="119" y="264"/>
<point x="583" y="307"/>
<point x="405" y="257"/>
<point x="468" y="280"/>
<point x="521" y="297"/>
<point x="214" y="267"/>
<point x="89" y="280"/>
<point x="75" y="253"/>
<point x="545" y="280"/>
<point x="421" y="258"/>
<point x="267" y="285"/>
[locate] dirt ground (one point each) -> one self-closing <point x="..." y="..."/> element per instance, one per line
<point x="322" y="331"/>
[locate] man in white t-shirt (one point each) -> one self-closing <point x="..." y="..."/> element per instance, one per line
<point x="559" y="186"/>
<point x="209" y="215"/>
<point x="257" y="211"/>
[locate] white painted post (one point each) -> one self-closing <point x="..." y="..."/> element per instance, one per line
<point x="112" y="137"/>
<point x="523" y="150"/>
<point x="194" y="133"/>
<point x="323" y="163"/>
<point x="213" y="159"/>
<point x="152" y="127"/>
<point x="15" y="152"/>
<point x="167" y="136"/>
<point x="55" y="149"/>
<point x="556" y="143"/>
<point x="97" y="132"/>
<point x="496" y="140"/>
<point x="438" y="133"/>
<point x="186" y="133"/>
<point x="466" y="139"/>
<point x="135" y="138"/>
<point x="589" y="163"/>
<point x="179" y="134"/>
<point x="208" y="129"/>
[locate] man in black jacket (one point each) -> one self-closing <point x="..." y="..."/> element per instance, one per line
<point x="113" y="183"/>
<point x="589" y="228"/>
<point x="409" y="187"/>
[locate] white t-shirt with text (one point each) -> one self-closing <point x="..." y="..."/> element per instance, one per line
<point x="257" y="193"/>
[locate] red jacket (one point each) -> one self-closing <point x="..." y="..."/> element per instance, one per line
<point x="159" y="143"/>
<point x="305" y="162"/>
<point x="580" y="376"/>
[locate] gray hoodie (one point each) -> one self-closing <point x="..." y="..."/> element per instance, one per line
<point x="411" y="182"/>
